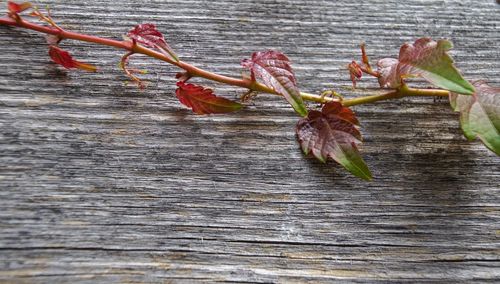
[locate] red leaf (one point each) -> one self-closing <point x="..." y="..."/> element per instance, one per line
<point x="332" y="132"/>
<point x="426" y="58"/>
<point x="65" y="59"/>
<point x="202" y="100"/>
<point x="18" y="8"/>
<point x="275" y="71"/>
<point x="149" y="36"/>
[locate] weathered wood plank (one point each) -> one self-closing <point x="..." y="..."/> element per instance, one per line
<point x="101" y="182"/>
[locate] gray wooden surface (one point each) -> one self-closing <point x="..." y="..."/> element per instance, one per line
<point x="103" y="183"/>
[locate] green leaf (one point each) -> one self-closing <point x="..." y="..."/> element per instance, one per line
<point x="333" y="132"/>
<point x="480" y="114"/>
<point x="435" y="65"/>
<point x="428" y="59"/>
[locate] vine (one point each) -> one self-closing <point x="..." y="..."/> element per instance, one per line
<point x="331" y="132"/>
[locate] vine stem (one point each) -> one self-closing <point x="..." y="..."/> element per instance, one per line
<point x="247" y="83"/>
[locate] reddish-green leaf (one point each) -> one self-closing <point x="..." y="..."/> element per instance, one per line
<point x="275" y="71"/>
<point x="480" y="114"/>
<point x="18" y="8"/>
<point x="202" y="100"/>
<point x="148" y="35"/>
<point x="65" y="59"/>
<point x="428" y="59"/>
<point x="333" y="132"/>
<point x="388" y="71"/>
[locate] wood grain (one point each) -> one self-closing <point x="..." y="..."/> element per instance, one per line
<point x="103" y="183"/>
